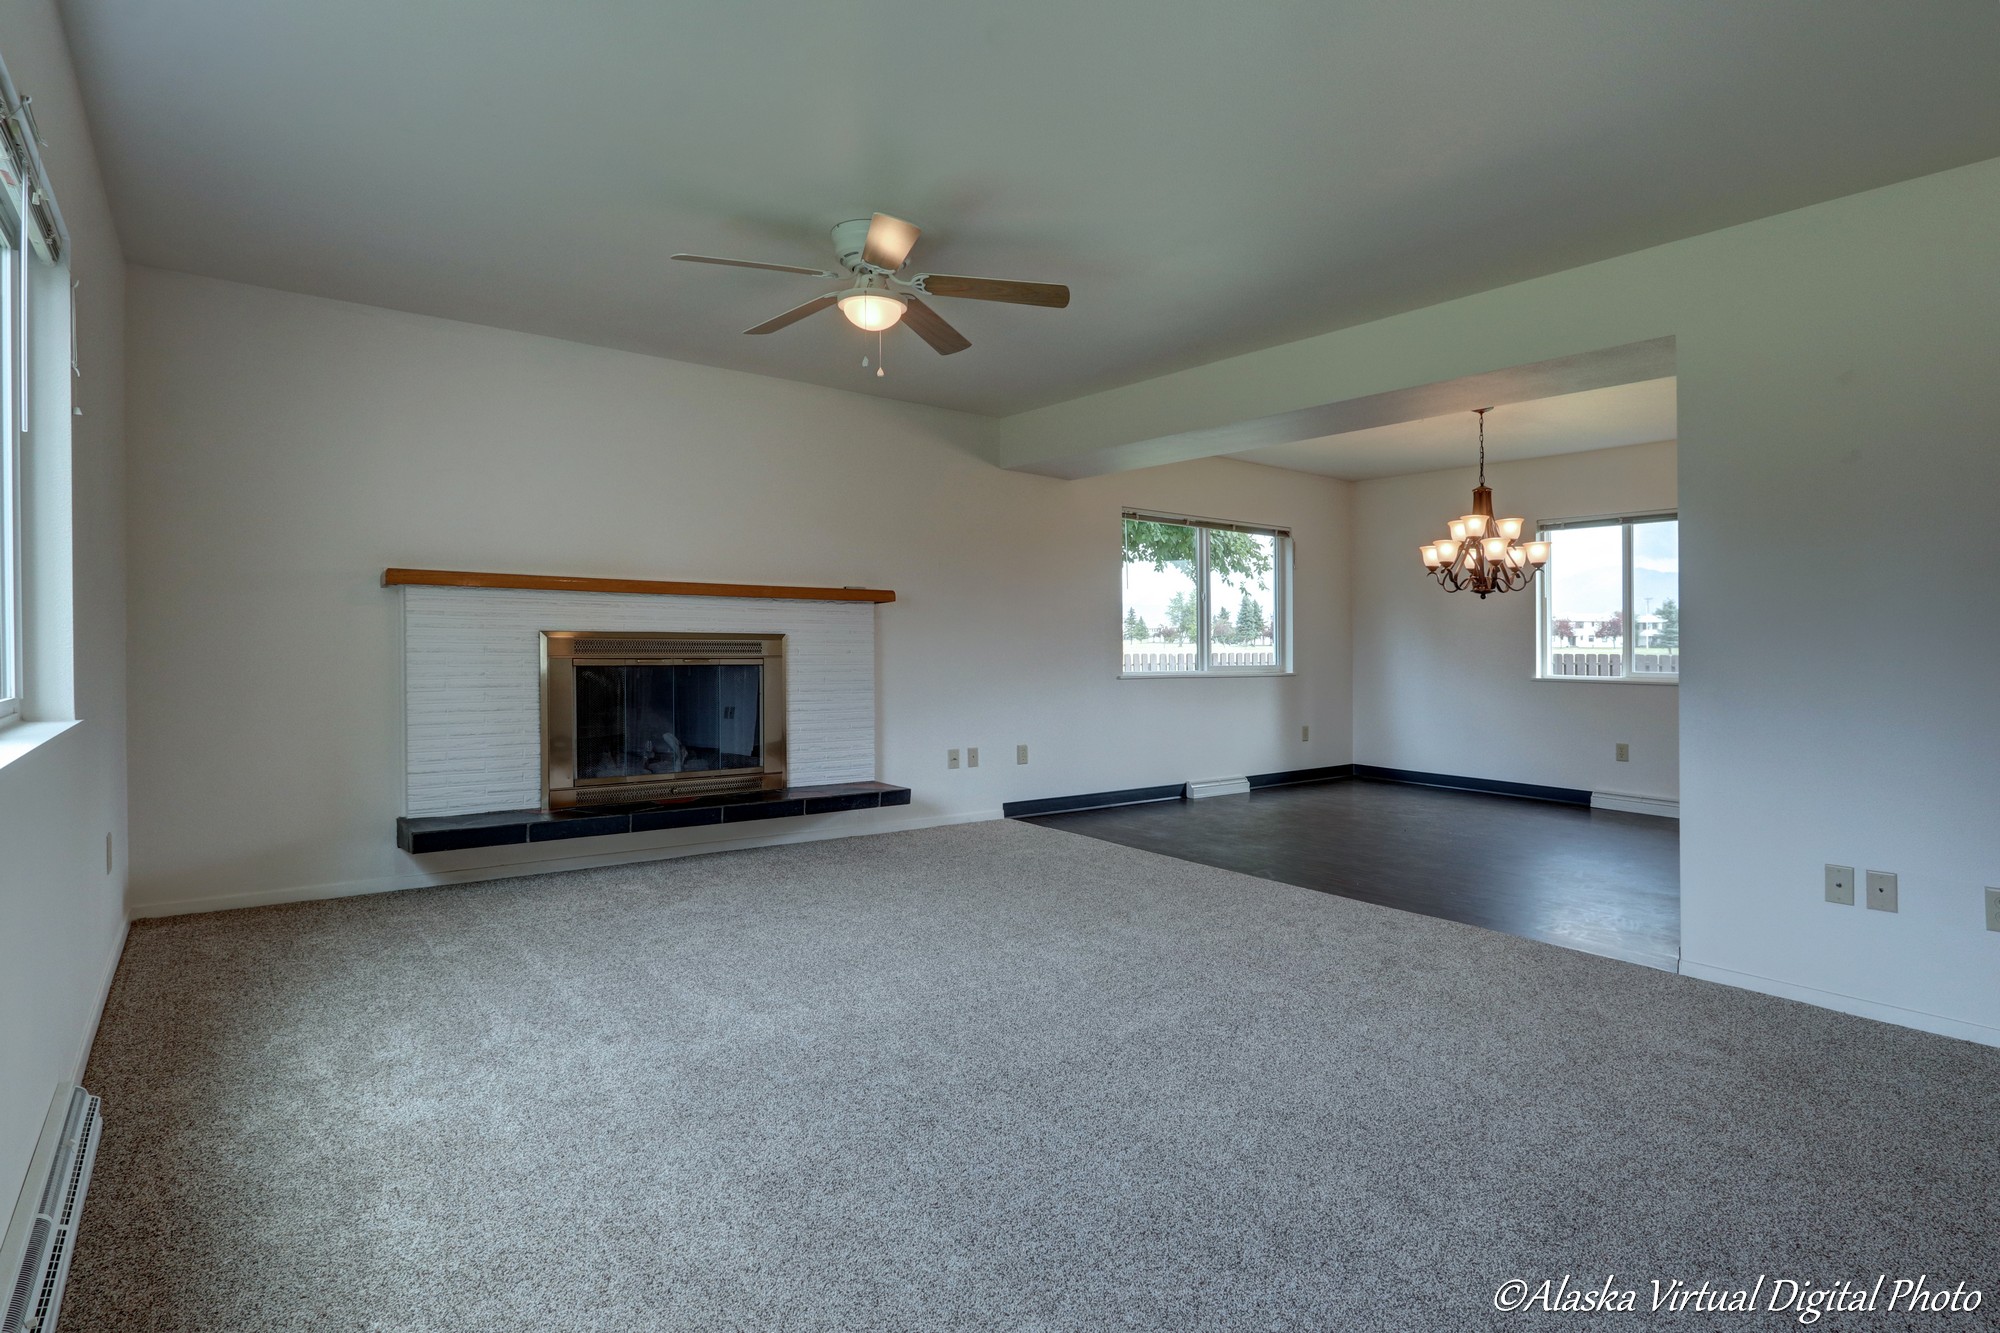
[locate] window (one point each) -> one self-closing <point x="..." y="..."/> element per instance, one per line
<point x="12" y="281"/>
<point x="33" y="247"/>
<point x="1610" y="600"/>
<point x="1204" y="597"/>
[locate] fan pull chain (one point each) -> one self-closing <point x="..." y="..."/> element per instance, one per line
<point x="880" y="369"/>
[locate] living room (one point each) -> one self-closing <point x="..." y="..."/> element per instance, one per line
<point x="1183" y="872"/>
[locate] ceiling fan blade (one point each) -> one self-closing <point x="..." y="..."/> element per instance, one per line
<point x="890" y="241"/>
<point x="794" y="315"/>
<point x="751" y="263"/>
<point x="1050" y="294"/>
<point x="929" y="325"/>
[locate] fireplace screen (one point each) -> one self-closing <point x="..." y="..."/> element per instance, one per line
<point x="632" y="721"/>
<point x="636" y="717"/>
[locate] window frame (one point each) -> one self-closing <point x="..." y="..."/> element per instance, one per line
<point x="1281" y="596"/>
<point x="1543" y="613"/>
<point x="36" y="235"/>
<point x="13" y="425"/>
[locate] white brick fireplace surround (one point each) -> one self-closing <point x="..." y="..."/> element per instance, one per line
<point x="472" y="683"/>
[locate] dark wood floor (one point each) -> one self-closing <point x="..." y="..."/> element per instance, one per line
<point x="1596" y="880"/>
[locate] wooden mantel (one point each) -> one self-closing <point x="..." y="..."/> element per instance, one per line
<point x="458" y="578"/>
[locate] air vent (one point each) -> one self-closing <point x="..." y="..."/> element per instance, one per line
<point x="42" y="1235"/>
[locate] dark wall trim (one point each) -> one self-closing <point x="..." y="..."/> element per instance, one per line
<point x="1328" y="774"/>
<point x="1527" y="790"/>
<point x="1096" y="800"/>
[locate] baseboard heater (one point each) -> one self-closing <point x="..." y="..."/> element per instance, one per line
<point x="42" y="1235"/>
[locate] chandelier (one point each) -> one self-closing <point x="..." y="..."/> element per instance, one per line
<point x="1484" y="554"/>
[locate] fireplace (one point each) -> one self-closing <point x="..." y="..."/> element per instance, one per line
<point x="648" y="716"/>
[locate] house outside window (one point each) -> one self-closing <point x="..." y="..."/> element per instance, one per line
<point x="1609" y="600"/>
<point x="1204" y="597"/>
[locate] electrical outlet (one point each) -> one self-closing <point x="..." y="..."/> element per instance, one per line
<point x="972" y="757"/>
<point x="951" y="759"/>
<point x="1624" y="753"/>
<point x="1881" y="891"/>
<point x="1993" y="909"/>
<point x="1020" y="754"/>
<point x="1840" y="885"/>
<point x="1305" y="733"/>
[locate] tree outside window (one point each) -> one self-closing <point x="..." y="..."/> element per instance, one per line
<point x="1202" y="597"/>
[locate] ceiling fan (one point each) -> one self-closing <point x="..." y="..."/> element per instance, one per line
<point x="873" y="251"/>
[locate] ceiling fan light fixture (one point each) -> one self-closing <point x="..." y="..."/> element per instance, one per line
<point x="871" y="310"/>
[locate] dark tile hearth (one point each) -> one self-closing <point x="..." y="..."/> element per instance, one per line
<point x="498" y="828"/>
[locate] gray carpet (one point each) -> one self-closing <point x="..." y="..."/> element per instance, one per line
<point x="990" y="1076"/>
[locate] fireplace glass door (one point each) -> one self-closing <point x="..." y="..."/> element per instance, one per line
<point x="652" y="716"/>
<point x="636" y="721"/>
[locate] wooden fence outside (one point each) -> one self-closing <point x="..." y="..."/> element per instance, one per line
<point x="1610" y="662"/>
<point x="1143" y="660"/>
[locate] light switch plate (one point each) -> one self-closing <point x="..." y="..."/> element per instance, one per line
<point x="1020" y="754"/>
<point x="1993" y="909"/>
<point x="1881" y="891"/>
<point x="951" y="759"/>
<point x="972" y="757"/>
<point x="1624" y="753"/>
<point x="1840" y="885"/>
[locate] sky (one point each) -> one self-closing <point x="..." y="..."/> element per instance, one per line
<point x="1148" y="591"/>
<point x="1586" y="570"/>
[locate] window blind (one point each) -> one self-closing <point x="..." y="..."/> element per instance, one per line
<point x="1606" y="521"/>
<point x="31" y="203"/>
<point x="1216" y="524"/>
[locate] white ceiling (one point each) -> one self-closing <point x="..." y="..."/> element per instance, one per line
<point x="1571" y="423"/>
<point x="1209" y="178"/>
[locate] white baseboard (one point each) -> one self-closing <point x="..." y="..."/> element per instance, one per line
<point x="1202" y="787"/>
<point x="418" y="879"/>
<point x="106" y="976"/>
<point x="1846" y="1004"/>
<point x="1635" y="805"/>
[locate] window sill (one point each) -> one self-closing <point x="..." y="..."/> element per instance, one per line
<point x="18" y="740"/>
<point x="1237" y="674"/>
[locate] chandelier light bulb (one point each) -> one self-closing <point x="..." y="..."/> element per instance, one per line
<point x="871" y="310"/>
<point x="1447" y="551"/>
<point x="1431" y="560"/>
<point x="1496" y="549"/>
<point x="1475" y="525"/>
<point x="1510" y="528"/>
<point x="1458" y="531"/>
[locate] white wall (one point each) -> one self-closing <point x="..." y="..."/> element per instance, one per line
<point x="1839" y="453"/>
<point x="61" y="910"/>
<point x="1446" y="683"/>
<point x="288" y="448"/>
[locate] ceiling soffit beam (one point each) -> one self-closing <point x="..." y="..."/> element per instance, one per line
<point x="1630" y="363"/>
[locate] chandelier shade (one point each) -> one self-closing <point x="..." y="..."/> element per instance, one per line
<point x="1483" y="554"/>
